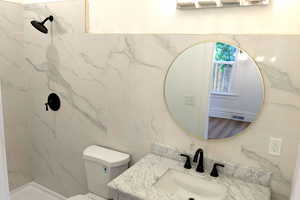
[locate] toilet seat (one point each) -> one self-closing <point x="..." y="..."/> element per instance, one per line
<point x="88" y="196"/>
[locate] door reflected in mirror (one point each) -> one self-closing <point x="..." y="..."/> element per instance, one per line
<point x="214" y="90"/>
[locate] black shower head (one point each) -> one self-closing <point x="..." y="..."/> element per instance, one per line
<point x="40" y="25"/>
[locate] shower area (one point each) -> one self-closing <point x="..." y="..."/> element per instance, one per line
<point x="16" y="110"/>
<point x="26" y="128"/>
<point x="15" y="98"/>
<point x="45" y="54"/>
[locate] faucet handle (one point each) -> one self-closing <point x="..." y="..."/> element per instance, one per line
<point x="214" y="171"/>
<point x="187" y="164"/>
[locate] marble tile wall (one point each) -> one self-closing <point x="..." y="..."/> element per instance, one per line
<point x="247" y="174"/>
<point x="15" y="93"/>
<point x="111" y="87"/>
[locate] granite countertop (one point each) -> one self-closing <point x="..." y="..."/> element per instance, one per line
<point x="138" y="181"/>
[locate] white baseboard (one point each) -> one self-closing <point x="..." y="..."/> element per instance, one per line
<point x="231" y="114"/>
<point x="40" y="187"/>
<point x="19" y="189"/>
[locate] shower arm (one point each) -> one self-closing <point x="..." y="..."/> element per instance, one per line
<point x="50" y="18"/>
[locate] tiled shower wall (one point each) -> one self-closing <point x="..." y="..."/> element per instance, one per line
<point x="112" y="94"/>
<point x="15" y="93"/>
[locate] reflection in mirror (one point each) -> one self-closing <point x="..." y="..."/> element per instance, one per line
<point x="214" y="90"/>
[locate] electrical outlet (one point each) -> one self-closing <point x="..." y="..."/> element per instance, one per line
<point x="275" y="146"/>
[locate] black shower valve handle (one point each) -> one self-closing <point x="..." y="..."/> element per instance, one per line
<point x="53" y="103"/>
<point x="46" y="104"/>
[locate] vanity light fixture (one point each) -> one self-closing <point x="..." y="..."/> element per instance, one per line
<point x="195" y="4"/>
<point x="187" y="4"/>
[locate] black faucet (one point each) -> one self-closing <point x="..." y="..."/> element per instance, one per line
<point x="214" y="171"/>
<point x="200" y="161"/>
<point x="187" y="164"/>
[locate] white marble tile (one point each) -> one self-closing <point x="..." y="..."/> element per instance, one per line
<point x="15" y="94"/>
<point x="112" y="94"/>
<point x="247" y="174"/>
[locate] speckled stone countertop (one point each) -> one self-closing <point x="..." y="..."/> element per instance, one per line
<point x="138" y="181"/>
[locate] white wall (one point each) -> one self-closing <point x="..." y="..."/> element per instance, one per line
<point x="188" y="77"/>
<point x="161" y="16"/>
<point x="4" y="191"/>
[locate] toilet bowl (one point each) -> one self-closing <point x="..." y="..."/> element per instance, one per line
<point x="102" y="165"/>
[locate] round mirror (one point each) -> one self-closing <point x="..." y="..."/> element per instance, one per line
<point x="214" y="90"/>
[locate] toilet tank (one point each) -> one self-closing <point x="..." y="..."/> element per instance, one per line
<point x="103" y="165"/>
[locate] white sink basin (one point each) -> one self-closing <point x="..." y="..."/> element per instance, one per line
<point x="183" y="187"/>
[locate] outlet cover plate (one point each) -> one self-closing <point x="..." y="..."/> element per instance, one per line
<point x="275" y="146"/>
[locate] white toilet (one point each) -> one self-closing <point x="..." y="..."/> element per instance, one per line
<point x="101" y="165"/>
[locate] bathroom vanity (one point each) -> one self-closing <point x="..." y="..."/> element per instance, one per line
<point x="157" y="177"/>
